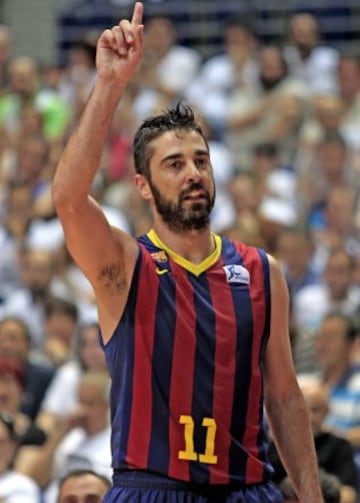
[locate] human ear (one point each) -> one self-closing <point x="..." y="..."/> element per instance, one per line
<point x="143" y="186"/>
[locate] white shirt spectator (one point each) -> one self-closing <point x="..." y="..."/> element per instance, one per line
<point x="318" y="70"/>
<point x="18" y="488"/>
<point x="80" y="451"/>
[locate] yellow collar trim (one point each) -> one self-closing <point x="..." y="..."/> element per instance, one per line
<point x="195" y="269"/>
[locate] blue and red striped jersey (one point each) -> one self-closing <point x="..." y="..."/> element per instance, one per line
<point x="186" y="365"/>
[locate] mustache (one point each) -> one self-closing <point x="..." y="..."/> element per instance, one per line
<point x="194" y="186"/>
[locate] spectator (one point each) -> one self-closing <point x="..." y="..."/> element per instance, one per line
<point x="274" y="178"/>
<point x="12" y="380"/>
<point x="28" y="302"/>
<point x="340" y="226"/>
<point x="244" y="193"/>
<point x="335" y="454"/>
<point x="80" y="440"/>
<point x="60" y="323"/>
<point x="348" y="76"/>
<point x="273" y="111"/>
<point x="82" y="485"/>
<point x="275" y="216"/>
<point x="328" y="168"/>
<point x="323" y="119"/>
<point x="167" y="68"/>
<point x="334" y="349"/>
<point x="236" y="67"/>
<point x="32" y="166"/>
<point x="14" y="486"/>
<point x="336" y="291"/>
<point x="309" y="60"/>
<point x="24" y="90"/>
<point x="15" y="344"/>
<point x="61" y="396"/>
<point x="78" y="77"/>
<point x="294" y="250"/>
<point x="15" y="224"/>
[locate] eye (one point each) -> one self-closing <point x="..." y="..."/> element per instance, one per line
<point x="175" y="165"/>
<point x="202" y="162"/>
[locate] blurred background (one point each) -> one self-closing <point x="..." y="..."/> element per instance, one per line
<point x="46" y="28"/>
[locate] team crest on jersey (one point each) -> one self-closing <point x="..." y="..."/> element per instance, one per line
<point x="236" y="273"/>
<point x="159" y="256"/>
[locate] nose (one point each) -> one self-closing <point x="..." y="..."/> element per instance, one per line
<point x="193" y="172"/>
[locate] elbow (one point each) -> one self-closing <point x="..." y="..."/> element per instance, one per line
<point x="60" y="199"/>
<point x="65" y="200"/>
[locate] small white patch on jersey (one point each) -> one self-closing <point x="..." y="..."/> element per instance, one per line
<point x="237" y="274"/>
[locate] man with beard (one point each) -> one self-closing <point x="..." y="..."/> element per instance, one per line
<point x="191" y="344"/>
<point x="270" y="112"/>
<point x="310" y="58"/>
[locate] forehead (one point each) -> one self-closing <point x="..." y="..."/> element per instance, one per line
<point x="82" y="486"/>
<point x="177" y="142"/>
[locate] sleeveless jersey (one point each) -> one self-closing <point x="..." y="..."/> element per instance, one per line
<point x="186" y="365"/>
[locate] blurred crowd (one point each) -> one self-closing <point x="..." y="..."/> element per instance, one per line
<point x="283" y="125"/>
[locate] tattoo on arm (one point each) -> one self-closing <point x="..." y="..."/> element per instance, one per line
<point x="112" y="277"/>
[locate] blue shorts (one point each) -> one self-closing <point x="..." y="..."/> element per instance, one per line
<point x="140" y="487"/>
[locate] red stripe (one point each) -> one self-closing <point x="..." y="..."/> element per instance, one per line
<point x="252" y="261"/>
<point x="225" y="364"/>
<point x="141" y="408"/>
<point x="182" y="373"/>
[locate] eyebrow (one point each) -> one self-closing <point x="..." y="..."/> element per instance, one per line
<point x="179" y="155"/>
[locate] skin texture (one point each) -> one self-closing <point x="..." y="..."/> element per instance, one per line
<point x="82" y="488"/>
<point x="178" y="164"/>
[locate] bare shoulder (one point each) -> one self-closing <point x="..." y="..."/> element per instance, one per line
<point x="276" y="275"/>
<point x="278" y="347"/>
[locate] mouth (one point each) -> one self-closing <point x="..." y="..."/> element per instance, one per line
<point x="195" y="195"/>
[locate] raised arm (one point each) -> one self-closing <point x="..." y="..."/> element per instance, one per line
<point x="105" y="255"/>
<point x="285" y="406"/>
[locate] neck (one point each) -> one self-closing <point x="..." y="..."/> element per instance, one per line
<point x="194" y="246"/>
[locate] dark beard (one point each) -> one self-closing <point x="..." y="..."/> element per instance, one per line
<point x="178" y="219"/>
<point x="269" y="84"/>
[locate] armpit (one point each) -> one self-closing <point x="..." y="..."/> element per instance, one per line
<point x="112" y="277"/>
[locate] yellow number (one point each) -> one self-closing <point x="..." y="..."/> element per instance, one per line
<point x="189" y="453"/>
<point x="209" y="456"/>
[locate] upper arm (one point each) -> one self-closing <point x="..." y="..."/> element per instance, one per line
<point x="279" y="368"/>
<point x="89" y="237"/>
<point x="105" y="255"/>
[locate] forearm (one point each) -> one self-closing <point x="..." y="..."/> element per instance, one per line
<point x="292" y="434"/>
<point x="37" y="461"/>
<point x="81" y="156"/>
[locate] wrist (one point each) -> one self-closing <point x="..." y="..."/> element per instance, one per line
<point x="108" y="92"/>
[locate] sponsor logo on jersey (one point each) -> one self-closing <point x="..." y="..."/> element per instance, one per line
<point x="236" y="273"/>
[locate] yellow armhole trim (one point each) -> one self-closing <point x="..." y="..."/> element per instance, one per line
<point x="195" y="269"/>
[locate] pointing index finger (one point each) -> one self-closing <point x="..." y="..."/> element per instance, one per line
<point x="137" y="14"/>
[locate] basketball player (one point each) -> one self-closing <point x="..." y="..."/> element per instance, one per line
<point x="194" y="327"/>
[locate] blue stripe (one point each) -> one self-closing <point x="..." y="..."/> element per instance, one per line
<point x="159" y="453"/>
<point x="242" y="378"/>
<point x="262" y="439"/>
<point x="203" y="370"/>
